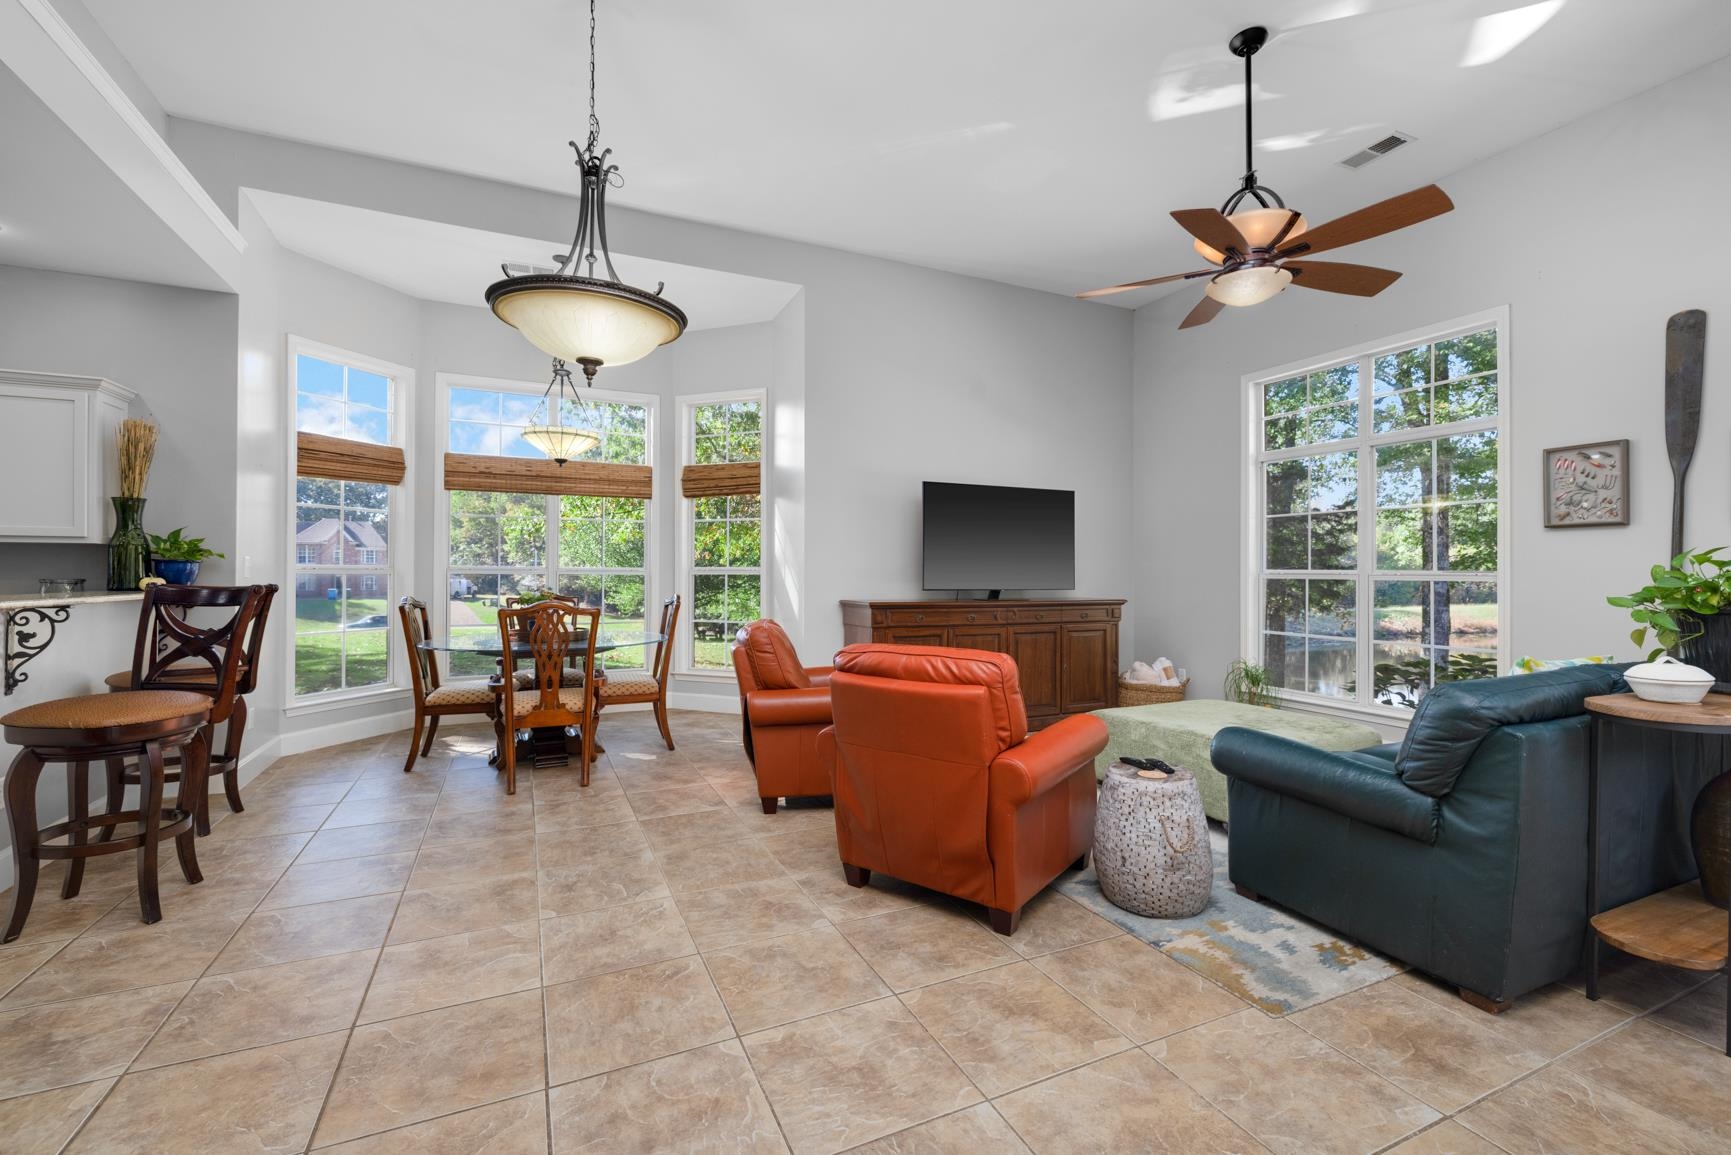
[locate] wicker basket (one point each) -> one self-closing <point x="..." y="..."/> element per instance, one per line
<point x="1143" y="694"/>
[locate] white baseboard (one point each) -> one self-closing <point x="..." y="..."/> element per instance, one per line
<point x="706" y="703"/>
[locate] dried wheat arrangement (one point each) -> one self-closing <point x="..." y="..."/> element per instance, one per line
<point x="137" y="440"/>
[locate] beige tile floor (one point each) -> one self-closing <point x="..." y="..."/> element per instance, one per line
<point x="381" y="962"/>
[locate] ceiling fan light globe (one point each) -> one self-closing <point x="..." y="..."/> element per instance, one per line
<point x="1259" y="227"/>
<point x="1250" y="286"/>
<point x="577" y="318"/>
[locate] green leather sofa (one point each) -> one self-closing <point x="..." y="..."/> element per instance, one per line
<point x="1462" y="852"/>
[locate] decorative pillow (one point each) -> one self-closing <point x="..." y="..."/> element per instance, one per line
<point x="1536" y="665"/>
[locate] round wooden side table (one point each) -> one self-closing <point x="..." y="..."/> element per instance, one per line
<point x="1677" y="927"/>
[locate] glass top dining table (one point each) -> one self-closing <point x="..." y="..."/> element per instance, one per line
<point x="488" y="645"/>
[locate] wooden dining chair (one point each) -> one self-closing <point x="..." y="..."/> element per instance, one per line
<point x="573" y="676"/>
<point x="546" y="634"/>
<point x="219" y="661"/>
<point x="617" y="691"/>
<point x="432" y="700"/>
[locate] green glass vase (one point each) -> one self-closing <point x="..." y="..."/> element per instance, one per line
<point x="129" y="548"/>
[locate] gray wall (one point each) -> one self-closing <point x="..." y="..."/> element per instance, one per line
<point x="1572" y="233"/>
<point x="908" y="373"/>
<point x="176" y="348"/>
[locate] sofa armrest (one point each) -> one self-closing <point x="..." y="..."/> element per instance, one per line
<point x="1046" y="758"/>
<point x="826" y="749"/>
<point x="806" y="706"/>
<point x="1362" y="787"/>
<point x="819" y="675"/>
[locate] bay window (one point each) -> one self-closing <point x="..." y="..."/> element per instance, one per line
<point x="722" y="446"/>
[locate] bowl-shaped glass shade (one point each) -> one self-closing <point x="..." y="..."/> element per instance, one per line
<point x="1248" y="286"/>
<point x="580" y="319"/>
<point x="1259" y="227"/>
<point x="561" y="442"/>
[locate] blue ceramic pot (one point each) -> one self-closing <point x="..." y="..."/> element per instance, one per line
<point x="175" y="573"/>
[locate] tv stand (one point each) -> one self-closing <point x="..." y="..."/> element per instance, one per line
<point x="1066" y="649"/>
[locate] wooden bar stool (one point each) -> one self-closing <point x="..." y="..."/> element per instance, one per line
<point x="79" y="731"/>
<point x="173" y="655"/>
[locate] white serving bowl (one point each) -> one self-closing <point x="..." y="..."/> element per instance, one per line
<point x="1668" y="680"/>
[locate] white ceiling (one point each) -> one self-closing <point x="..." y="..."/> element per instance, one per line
<point x="1035" y="143"/>
<point x="441" y="262"/>
<point x="62" y="208"/>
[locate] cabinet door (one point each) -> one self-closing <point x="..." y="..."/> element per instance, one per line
<point x="1035" y="649"/>
<point x="44" y="463"/>
<point x="1086" y="673"/>
<point x="993" y="638"/>
<point x="909" y="637"/>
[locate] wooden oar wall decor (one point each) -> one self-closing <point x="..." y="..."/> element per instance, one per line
<point x="1685" y="359"/>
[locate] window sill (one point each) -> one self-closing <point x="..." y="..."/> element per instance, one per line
<point x="1389" y="717"/>
<point x="707" y="675"/>
<point x="342" y="700"/>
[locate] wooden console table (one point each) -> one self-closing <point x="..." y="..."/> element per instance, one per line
<point x="1066" y="649"/>
<point x="1677" y="927"/>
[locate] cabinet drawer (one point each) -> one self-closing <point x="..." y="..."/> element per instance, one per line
<point x="916" y="637"/>
<point x="943" y="617"/>
<point x="1091" y="614"/>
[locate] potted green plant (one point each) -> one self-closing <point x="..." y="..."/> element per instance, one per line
<point x="175" y="558"/>
<point x="1684" y="609"/>
<point x="1251" y="684"/>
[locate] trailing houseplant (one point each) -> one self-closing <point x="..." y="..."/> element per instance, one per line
<point x="175" y="558"/>
<point x="1684" y="609"/>
<point x="1251" y="684"/>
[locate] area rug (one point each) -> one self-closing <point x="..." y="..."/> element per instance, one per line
<point x="1262" y="954"/>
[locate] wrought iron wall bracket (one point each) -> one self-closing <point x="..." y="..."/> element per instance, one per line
<point x="29" y="631"/>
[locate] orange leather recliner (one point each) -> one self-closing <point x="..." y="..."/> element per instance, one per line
<point x="939" y="783"/>
<point x="786" y="706"/>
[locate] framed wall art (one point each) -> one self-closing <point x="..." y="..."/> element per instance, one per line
<point x="1587" y="485"/>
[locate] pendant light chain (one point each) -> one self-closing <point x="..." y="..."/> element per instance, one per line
<point x="594" y="121"/>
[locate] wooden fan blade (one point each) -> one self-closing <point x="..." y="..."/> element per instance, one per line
<point x="1420" y="204"/>
<point x="1205" y="311"/>
<point x="1212" y="228"/>
<point x="1338" y="277"/>
<point x="1128" y="285"/>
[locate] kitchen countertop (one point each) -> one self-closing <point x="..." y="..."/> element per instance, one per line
<point x="19" y="601"/>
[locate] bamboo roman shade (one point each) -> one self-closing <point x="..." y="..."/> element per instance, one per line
<point x="537" y="475"/>
<point x="731" y="480"/>
<point x="339" y="459"/>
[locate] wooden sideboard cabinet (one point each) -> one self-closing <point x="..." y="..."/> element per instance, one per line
<point x="1066" y="649"/>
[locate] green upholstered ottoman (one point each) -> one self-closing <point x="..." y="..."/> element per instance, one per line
<point x="1180" y="733"/>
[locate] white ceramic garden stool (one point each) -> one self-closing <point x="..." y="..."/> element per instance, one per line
<point x="1151" y="847"/>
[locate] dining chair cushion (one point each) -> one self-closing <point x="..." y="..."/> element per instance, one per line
<point x="462" y="694"/>
<point x="571" y="700"/>
<point x="571" y="679"/>
<point x="101" y="711"/>
<point x="630" y="688"/>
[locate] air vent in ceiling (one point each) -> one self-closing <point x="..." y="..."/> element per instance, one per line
<point x="1381" y="148"/>
<point x="519" y="269"/>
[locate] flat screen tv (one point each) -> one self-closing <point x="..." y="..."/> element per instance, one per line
<point x="999" y="537"/>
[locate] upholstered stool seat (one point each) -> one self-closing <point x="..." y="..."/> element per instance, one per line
<point x="77" y="731"/>
<point x="569" y="699"/>
<point x="198" y="673"/>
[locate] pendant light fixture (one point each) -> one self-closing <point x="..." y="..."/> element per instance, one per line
<point x="549" y="433"/>
<point x="573" y="313"/>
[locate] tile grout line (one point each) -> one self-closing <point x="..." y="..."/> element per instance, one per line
<point x="379" y="954"/>
<point x="106" y="1095"/>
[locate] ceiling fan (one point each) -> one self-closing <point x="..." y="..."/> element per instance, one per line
<point x="1254" y="252"/>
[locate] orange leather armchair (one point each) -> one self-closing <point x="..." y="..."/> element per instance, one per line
<point x="786" y="706"/>
<point x="939" y="783"/>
